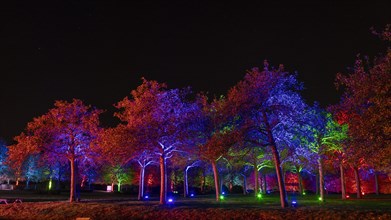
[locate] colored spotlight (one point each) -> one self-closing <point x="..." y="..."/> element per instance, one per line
<point x="303" y="193"/>
<point x="146" y="197"/>
<point x="170" y="200"/>
<point x="221" y="197"/>
<point x="320" y="198"/>
<point x="259" y="196"/>
<point x="223" y="193"/>
<point x="192" y="195"/>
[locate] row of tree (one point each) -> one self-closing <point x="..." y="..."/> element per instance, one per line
<point x="263" y="121"/>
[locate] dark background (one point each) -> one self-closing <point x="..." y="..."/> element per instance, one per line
<point x="98" y="51"/>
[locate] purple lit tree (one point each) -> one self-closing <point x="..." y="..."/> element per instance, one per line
<point x="159" y="118"/>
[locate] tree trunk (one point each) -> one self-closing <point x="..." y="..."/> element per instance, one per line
<point x="321" y="180"/>
<point x="185" y="184"/>
<point x="162" y="162"/>
<point x="317" y="184"/>
<point x="300" y="179"/>
<point x="72" y="192"/>
<point x="244" y="184"/>
<point x="283" y="178"/>
<point x="58" y="186"/>
<point x="277" y="163"/>
<point x="358" y="183"/>
<point x="203" y="181"/>
<point x="221" y="181"/>
<point x="281" y="184"/>
<point x="264" y="183"/>
<point x="216" y="177"/>
<point x="231" y="185"/>
<point x="376" y="184"/>
<point x="343" y="187"/>
<point x="256" y="183"/>
<point x="141" y="183"/>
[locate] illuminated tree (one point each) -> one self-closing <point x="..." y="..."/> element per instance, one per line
<point x="255" y="157"/>
<point x="218" y="135"/>
<point x="18" y="154"/>
<point x="114" y="148"/>
<point x="144" y="159"/>
<point x="324" y="135"/>
<point x="291" y="141"/>
<point x="4" y="168"/>
<point x="366" y="108"/>
<point x="116" y="174"/>
<point x="31" y="170"/>
<point x="159" y="118"/>
<point x="184" y="163"/>
<point x="266" y="99"/>
<point x="65" y="133"/>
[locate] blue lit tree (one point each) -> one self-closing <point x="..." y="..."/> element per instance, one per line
<point x="31" y="169"/>
<point x="4" y="168"/>
<point x="266" y="100"/>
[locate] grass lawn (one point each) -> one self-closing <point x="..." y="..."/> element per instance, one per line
<point x="103" y="205"/>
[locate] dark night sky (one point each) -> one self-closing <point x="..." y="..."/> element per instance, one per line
<point x="97" y="51"/>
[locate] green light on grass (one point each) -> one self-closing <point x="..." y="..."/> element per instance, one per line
<point x="320" y="198"/>
<point x="221" y="197"/>
<point x="303" y="193"/>
<point x="259" y="196"/>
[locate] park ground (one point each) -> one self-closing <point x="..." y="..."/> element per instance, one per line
<point x="104" y="205"/>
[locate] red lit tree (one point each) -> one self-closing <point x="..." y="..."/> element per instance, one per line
<point x="366" y="105"/>
<point x="218" y="135"/>
<point x="65" y="133"/>
<point x="18" y="154"/>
